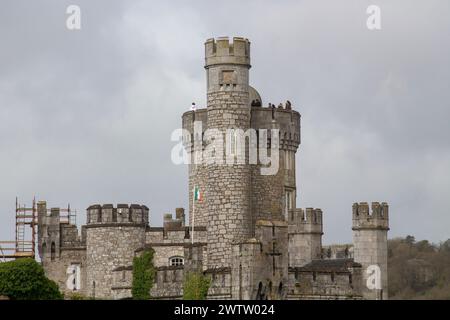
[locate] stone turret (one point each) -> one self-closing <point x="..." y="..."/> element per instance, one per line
<point x="305" y="236"/>
<point x="228" y="187"/>
<point x="227" y="64"/>
<point x="112" y="236"/>
<point x="370" y="247"/>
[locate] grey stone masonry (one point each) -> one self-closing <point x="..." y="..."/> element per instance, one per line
<point x="112" y="236"/>
<point x="228" y="195"/>
<point x="245" y="233"/>
<point x="229" y="186"/>
<point x="370" y="246"/>
<point x="305" y="236"/>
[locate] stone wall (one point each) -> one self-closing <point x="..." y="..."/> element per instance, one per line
<point x="122" y="282"/>
<point x="326" y="283"/>
<point x="370" y="245"/>
<point x="169" y="283"/>
<point x="269" y="191"/>
<point x="57" y="269"/>
<point x="337" y="251"/>
<point x="305" y="236"/>
<point x="110" y="247"/>
<point x="228" y="186"/>
<point x="260" y="265"/>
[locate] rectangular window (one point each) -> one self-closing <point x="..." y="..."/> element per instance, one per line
<point x="290" y="202"/>
<point x="289" y="160"/>
<point x="232" y="143"/>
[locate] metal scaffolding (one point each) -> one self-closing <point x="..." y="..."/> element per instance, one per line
<point x="24" y="245"/>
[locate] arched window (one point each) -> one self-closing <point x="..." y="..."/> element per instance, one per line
<point x="176" y="261"/>
<point x="53" y="251"/>
<point x="260" y="293"/>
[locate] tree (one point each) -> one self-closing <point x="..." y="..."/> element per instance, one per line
<point x="143" y="275"/>
<point x="445" y="247"/>
<point x="24" y="279"/>
<point x="196" y="286"/>
<point x="418" y="269"/>
<point x="410" y="239"/>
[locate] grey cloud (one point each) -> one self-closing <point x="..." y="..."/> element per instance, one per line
<point x="87" y="116"/>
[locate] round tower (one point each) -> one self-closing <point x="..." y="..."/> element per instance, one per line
<point x="228" y="187"/>
<point x="274" y="195"/>
<point x="112" y="236"/>
<point x="370" y="247"/>
<point x="195" y="122"/>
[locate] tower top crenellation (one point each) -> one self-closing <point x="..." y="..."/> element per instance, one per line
<point x="221" y="51"/>
<point x="122" y="213"/>
<point x="364" y="218"/>
<point x="305" y="221"/>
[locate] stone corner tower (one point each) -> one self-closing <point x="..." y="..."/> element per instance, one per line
<point x="305" y="236"/>
<point x="228" y="187"/>
<point x="112" y="236"/>
<point x="370" y="230"/>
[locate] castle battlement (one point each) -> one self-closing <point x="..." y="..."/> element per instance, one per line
<point x="287" y="121"/>
<point x="174" y="224"/>
<point x="305" y="221"/>
<point x="377" y="218"/>
<point x="222" y="51"/>
<point x="123" y="213"/>
<point x="246" y="235"/>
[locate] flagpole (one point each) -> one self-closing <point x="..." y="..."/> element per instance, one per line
<point x="193" y="215"/>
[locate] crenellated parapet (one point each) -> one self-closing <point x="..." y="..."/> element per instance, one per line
<point x="377" y="218"/>
<point x="227" y="65"/>
<point x="305" y="236"/>
<point x="122" y="213"/>
<point x="307" y="221"/>
<point x="222" y="51"/>
<point x="286" y="121"/>
<point x="174" y="224"/>
<point x="191" y="119"/>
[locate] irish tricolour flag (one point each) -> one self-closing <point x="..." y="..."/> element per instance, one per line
<point x="198" y="196"/>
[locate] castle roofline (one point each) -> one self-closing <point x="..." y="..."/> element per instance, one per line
<point x="328" y="265"/>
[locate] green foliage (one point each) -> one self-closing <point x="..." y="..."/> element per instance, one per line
<point x="24" y="279"/>
<point x="196" y="286"/>
<point x="418" y="269"/>
<point x="76" y="296"/>
<point x="143" y="275"/>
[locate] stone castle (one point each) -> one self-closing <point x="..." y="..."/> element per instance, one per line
<point x="248" y="234"/>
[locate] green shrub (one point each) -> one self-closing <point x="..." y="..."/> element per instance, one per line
<point x="24" y="279"/>
<point x="76" y="296"/>
<point x="143" y="275"/>
<point x="196" y="286"/>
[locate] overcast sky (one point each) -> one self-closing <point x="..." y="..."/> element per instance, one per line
<point x="86" y="116"/>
